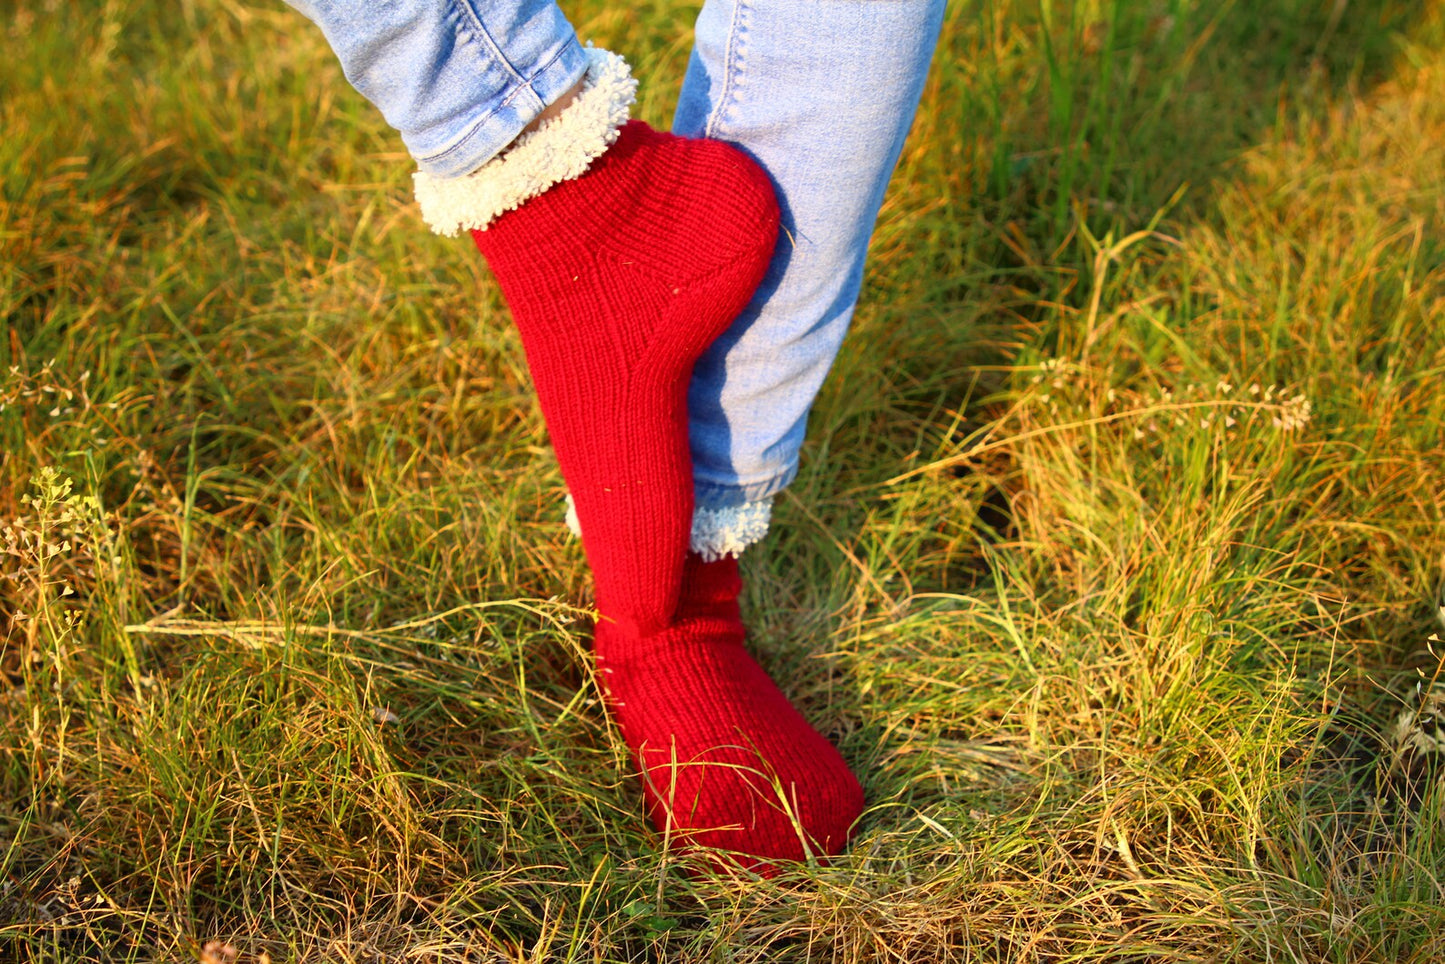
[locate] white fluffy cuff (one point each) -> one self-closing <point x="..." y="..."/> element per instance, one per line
<point x="715" y="532"/>
<point x="727" y="532"/>
<point x="558" y="150"/>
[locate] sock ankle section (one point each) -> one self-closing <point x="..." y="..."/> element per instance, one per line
<point x="727" y="531"/>
<point x="716" y="533"/>
<point x="558" y="150"/>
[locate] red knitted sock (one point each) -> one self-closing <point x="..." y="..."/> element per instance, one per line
<point x="726" y="760"/>
<point x="621" y="264"/>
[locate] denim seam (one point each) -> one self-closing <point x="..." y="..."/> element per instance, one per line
<point x="481" y="122"/>
<point x="736" y="66"/>
<point x="467" y="8"/>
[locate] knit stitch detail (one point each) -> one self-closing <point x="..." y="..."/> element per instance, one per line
<point x="618" y="280"/>
<point x="715" y="532"/>
<point x="558" y="150"/>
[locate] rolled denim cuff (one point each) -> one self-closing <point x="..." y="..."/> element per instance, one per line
<point x="489" y="135"/>
<point x="727" y="495"/>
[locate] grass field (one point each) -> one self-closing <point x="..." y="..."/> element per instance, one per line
<point x="1110" y="569"/>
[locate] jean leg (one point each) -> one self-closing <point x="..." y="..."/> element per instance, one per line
<point x="459" y="79"/>
<point x="821" y="93"/>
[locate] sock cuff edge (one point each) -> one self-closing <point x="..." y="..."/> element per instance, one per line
<point x="560" y="149"/>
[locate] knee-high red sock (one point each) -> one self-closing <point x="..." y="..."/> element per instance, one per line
<point x="726" y="760"/>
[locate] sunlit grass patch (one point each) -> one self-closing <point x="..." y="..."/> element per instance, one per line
<point x="1111" y="568"/>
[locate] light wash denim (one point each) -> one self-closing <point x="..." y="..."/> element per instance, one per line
<point x="820" y="92"/>
<point x="459" y="79"/>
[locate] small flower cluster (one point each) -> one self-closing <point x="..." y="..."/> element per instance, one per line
<point x="1421" y="728"/>
<point x="45" y="394"/>
<point x="1420" y="725"/>
<point x="62" y="530"/>
<point x="41" y="391"/>
<point x="1057" y="377"/>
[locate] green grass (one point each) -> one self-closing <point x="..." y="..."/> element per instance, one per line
<point x="1111" y="583"/>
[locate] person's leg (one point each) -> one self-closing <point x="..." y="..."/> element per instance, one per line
<point x="623" y="252"/>
<point x="598" y="247"/>
<point x="821" y="93"/>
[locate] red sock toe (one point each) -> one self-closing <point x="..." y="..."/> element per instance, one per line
<point x="726" y="760"/>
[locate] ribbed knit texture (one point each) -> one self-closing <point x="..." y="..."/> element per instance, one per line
<point x="618" y="280"/>
<point x="726" y="760"/>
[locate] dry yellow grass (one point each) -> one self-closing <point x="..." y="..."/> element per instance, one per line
<point x="1115" y="582"/>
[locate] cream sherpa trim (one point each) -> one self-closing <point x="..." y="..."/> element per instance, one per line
<point x="574" y="524"/>
<point x="558" y="150"/>
<point x="715" y="532"/>
<point x="727" y="532"/>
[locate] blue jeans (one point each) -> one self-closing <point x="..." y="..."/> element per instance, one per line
<point x="820" y="92"/>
